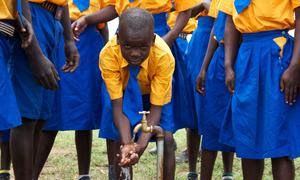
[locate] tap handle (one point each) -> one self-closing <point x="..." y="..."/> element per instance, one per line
<point x="144" y="112"/>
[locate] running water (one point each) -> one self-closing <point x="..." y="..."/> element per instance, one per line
<point x="125" y="172"/>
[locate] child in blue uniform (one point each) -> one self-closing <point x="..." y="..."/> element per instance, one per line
<point x="50" y="22"/>
<point x="210" y="83"/>
<point x="137" y="69"/>
<point x="78" y="102"/>
<point x="263" y="75"/>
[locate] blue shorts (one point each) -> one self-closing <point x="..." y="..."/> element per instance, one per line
<point x="259" y="123"/>
<point x="78" y="101"/>
<point x="9" y="111"/>
<point x="35" y="102"/>
<point x="109" y="130"/>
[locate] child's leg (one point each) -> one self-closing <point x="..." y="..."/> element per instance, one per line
<point x="227" y="162"/>
<point x="193" y="143"/>
<point x="253" y="169"/>
<point x="169" y="156"/>
<point x="83" y="140"/>
<point x="208" y="159"/>
<point x="5" y="151"/>
<point x="112" y="150"/>
<point x="45" y="145"/>
<point x="37" y="133"/>
<point x="283" y="169"/>
<point x="21" y="145"/>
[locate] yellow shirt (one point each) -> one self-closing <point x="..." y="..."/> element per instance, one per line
<point x="57" y="2"/>
<point x="95" y="5"/>
<point x="190" y="26"/>
<point x="155" y="76"/>
<point x="155" y="6"/>
<point x="262" y="15"/>
<point x="7" y="9"/>
<point x="213" y="10"/>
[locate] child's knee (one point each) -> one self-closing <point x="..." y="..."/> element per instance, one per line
<point x="169" y="142"/>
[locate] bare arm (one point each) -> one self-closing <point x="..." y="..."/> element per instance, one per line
<point x="291" y="77"/>
<point x="181" y="20"/>
<point x="231" y="38"/>
<point x="71" y="52"/>
<point x="212" y="46"/>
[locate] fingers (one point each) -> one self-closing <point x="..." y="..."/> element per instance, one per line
<point x="290" y="95"/>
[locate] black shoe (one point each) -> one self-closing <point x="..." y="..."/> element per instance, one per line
<point x="4" y="176"/>
<point x="192" y="176"/>
<point x="85" y="178"/>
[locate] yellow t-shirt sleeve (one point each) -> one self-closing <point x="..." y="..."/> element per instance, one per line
<point x="226" y="6"/>
<point x="213" y="10"/>
<point x="295" y="3"/>
<point x="110" y="71"/>
<point x="183" y="5"/>
<point x="161" y="84"/>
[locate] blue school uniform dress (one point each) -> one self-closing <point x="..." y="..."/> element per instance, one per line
<point x="194" y="58"/>
<point x="9" y="112"/>
<point x="78" y="101"/>
<point x="217" y="97"/>
<point x="260" y="124"/>
<point x="34" y="101"/>
<point x="120" y="78"/>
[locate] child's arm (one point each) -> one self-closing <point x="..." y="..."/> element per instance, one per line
<point x="128" y="148"/>
<point x="181" y="20"/>
<point x="290" y="79"/>
<point x="72" y="55"/>
<point x="205" y="5"/>
<point x="104" y="15"/>
<point x="42" y="68"/>
<point x="212" y="46"/>
<point x="231" y="38"/>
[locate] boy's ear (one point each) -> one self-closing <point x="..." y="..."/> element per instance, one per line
<point x="153" y="40"/>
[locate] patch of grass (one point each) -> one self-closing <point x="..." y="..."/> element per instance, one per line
<point x="62" y="162"/>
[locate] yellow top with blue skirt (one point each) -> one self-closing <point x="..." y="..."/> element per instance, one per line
<point x="154" y="79"/>
<point x="263" y="125"/>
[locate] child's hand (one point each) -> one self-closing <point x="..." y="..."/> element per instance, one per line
<point x="230" y="78"/>
<point x="200" y="82"/>
<point x="25" y="31"/>
<point x="128" y="155"/>
<point x="44" y="72"/>
<point x="72" y="56"/>
<point x="289" y="84"/>
<point x="78" y="27"/>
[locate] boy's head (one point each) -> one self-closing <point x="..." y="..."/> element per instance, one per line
<point x="136" y="35"/>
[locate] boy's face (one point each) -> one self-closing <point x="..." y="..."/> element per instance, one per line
<point x="135" y="46"/>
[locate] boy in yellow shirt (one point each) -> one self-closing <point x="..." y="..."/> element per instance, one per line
<point x="263" y="76"/>
<point x="137" y="68"/>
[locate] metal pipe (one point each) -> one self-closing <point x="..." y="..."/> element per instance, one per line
<point x="159" y="133"/>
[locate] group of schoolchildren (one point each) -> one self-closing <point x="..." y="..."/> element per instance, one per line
<point x="235" y="84"/>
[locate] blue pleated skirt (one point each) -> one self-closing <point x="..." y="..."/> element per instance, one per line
<point x="9" y="111"/>
<point x="194" y="58"/>
<point x="34" y="101"/>
<point x="216" y="100"/>
<point x="259" y="124"/>
<point x="78" y="101"/>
